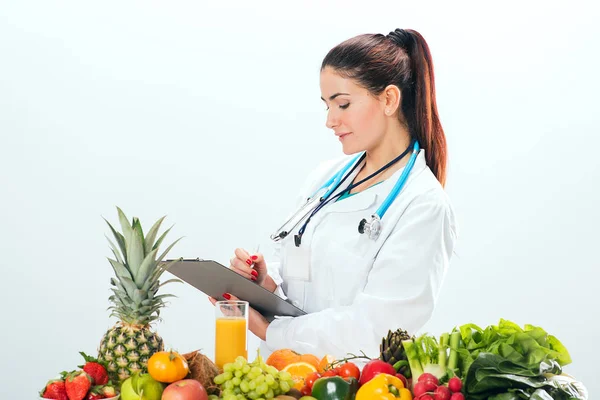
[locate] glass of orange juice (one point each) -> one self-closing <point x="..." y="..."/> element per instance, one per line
<point x="231" y="335"/>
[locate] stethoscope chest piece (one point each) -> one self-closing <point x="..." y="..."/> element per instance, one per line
<point x="372" y="228"/>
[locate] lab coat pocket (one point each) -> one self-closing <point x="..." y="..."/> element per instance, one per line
<point x="349" y="271"/>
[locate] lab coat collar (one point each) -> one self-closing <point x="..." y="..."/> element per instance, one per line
<point x="368" y="197"/>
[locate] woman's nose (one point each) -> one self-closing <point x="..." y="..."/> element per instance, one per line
<point x="331" y="121"/>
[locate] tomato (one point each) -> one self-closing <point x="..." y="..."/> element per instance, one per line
<point x="167" y="366"/>
<point x="305" y="391"/>
<point x="349" y="369"/>
<point x="331" y="372"/>
<point x="310" y="379"/>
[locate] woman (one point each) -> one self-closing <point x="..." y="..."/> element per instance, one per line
<point x="380" y="97"/>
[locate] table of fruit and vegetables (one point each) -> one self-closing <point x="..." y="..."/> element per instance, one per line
<point x="499" y="362"/>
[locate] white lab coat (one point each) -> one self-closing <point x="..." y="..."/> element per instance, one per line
<point x="355" y="289"/>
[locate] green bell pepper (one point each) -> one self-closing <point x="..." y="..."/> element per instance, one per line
<point x="335" y="388"/>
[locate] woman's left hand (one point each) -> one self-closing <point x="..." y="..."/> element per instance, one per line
<point x="256" y="322"/>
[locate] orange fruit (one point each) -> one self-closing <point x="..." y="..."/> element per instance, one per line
<point x="299" y="371"/>
<point x="283" y="357"/>
<point x="325" y="361"/>
<point x="167" y="366"/>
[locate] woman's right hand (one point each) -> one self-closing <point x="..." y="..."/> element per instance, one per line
<point x="250" y="266"/>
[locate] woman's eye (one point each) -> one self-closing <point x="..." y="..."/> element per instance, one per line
<point x="342" y="106"/>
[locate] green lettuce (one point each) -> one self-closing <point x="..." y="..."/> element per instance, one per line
<point x="507" y="362"/>
<point x="529" y="346"/>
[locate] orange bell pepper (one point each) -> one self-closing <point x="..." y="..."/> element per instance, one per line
<point x="383" y="387"/>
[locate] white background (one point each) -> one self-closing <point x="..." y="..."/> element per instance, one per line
<point x="209" y="113"/>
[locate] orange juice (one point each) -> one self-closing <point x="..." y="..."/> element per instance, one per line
<point x="230" y="340"/>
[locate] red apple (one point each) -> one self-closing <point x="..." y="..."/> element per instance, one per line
<point x="185" y="389"/>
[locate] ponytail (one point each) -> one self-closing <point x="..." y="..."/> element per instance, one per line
<point x="420" y="107"/>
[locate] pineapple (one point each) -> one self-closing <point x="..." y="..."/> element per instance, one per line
<point x="391" y="348"/>
<point x="127" y="346"/>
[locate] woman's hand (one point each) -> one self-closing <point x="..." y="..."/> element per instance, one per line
<point x="252" y="266"/>
<point x="257" y="324"/>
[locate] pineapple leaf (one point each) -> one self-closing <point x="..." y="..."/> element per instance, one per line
<point x="119" y="285"/>
<point x="122" y="295"/>
<point x="163" y="296"/>
<point x="119" y="301"/>
<point x="148" y="266"/>
<point x="145" y="310"/>
<point x="115" y="251"/>
<point x="135" y="249"/>
<point x="129" y="286"/>
<point x="138" y="296"/>
<point x="162" y="268"/>
<point x="127" y="229"/>
<point x="161" y="238"/>
<point x="164" y="254"/>
<point x="169" y="281"/>
<point x="120" y="240"/>
<point x="120" y="270"/>
<point x="151" y="236"/>
<point x="151" y="284"/>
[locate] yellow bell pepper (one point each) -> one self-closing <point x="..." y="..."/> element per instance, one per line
<point x="383" y="387"/>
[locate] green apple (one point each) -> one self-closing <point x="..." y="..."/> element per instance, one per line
<point x="141" y="387"/>
<point x="127" y="392"/>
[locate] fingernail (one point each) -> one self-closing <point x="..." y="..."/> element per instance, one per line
<point x="254" y="258"/>
<point x="248" y="262"/>
<point x="254" y="278"/>
<point x="227" y="296"/>
<point x="254" y="273"/>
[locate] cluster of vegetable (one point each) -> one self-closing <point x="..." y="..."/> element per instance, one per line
<point x="500" y="362"/>
<point x="378" y="380"/>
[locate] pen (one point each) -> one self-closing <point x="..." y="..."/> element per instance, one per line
<point x="255" y="252"/>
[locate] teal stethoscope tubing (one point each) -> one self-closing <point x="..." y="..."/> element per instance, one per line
<point x="333" y="183"/>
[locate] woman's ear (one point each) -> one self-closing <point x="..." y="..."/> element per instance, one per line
<point x="391" y="98"/>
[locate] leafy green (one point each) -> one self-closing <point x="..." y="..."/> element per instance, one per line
<point x="528" y="346"/>
<point x="507" y="362"/>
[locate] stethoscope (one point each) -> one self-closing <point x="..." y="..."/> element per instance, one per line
<point x="372" y="227"/>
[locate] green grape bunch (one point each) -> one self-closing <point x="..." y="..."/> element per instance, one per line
<point x="241" y="380"/>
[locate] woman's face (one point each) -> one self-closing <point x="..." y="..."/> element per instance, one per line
<point x="356" y="117"/>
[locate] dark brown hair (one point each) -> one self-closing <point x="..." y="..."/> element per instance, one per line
<point x="401" y="58"/>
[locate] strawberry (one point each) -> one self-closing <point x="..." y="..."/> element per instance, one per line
<point x="96" y="393"/>
<point x="78" y="383"/>
<point x="109" y="391"/>
<point x="55" y="389"/>
<point x="95" y="369"/>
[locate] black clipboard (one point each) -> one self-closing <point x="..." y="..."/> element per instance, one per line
<point x="214" y="279"/>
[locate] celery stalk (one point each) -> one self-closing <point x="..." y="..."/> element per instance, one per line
<point x="412" y="354"/>
<point x="454" y="343"/>
<point x="442" y="357"/>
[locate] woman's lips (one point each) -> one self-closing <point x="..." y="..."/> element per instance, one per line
<point x="342" y="135"/>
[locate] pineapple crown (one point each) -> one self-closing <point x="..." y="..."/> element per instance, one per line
<point x="137" y="271"/>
